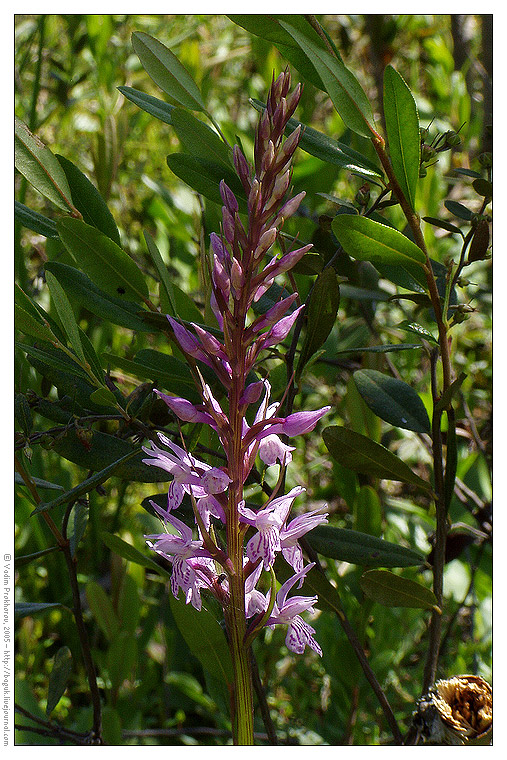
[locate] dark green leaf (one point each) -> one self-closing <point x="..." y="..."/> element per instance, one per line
<point x="111" y="727"/>
<point x="443" y="225"/>
<point x="62" y="667"/>
<point x="38" y="482"/>
<point x="166" y="71"/>
<point x="31" y="325"/>
<point x="103" y="397"/>
<point x="467" y="172"/>
<point x="392" y="400"/>
<point x="35" y="221"/>
<point x="104" y="261"/>
<point x="153" y="106"/>
<point x="102" y="609"/>
<point x="361" y="454"/>
<point x="459" y="210"/>
<point x="341" y="85"/>
<point x="23" y="609"/>
<point x="205" y="176"/>
<point x="129" y="605"/>
<point x="205" y="639"/>
<point x="121" y="659"/>
<point x="483" y="187"/>
<point x="322" y="310"/>
<point x="77" y="526"/>
<point x="199" y="140"/>
<point x="368" y="511"/>
<point x="23" y="414"/>
<point x="393" y="591"/>
<point x="451" y="462"/>
<point x="450" y="393"/>
<point x="130" y="553"/>
<point x="40" y="167"/>
<point x="383" y="349"/>
<point x="84" y="292"/>
<point x="402" y="127"/>
<point x="27" y="558"/>
<point x="56" y="360"/>
<point x="360" y="548"/>
<point x="89" y="201"/>
<point x="418" y="329"/>
<point x="102" y="450"/>
<point x="167" y="371"/>
<point x="87" y="485"/>
<point x="66" y="314"/>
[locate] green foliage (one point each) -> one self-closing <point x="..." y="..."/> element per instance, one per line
<point x="117" y="191"/>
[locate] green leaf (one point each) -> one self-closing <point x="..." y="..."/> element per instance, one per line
<point x="41" y="168"/>
<point x="459" y="210"/>
<point x="62" y="667"/>
<point x="66" y="314"/>
<point x="205" y="176"/>
<point x="29" y="325"/>
<point x="23" y="414"/>
<point x="402" y="127"/>
<point x="121" y="659"/>
<point x="103" y="397"/>
<point x="102" y="609"/>
<point x="130" y="553"/>
<point x="104" y="261"/>
<point x="167" y="371"/>
<point x="153" y="106"/>
<point x="38" y="482"/>
<point x="483" y="187"/>
<point x="448" y="395"/>
<point x="418" y="329"/>
<point x="385" y="348"/>
<point x="162" y="272"/>
<point x="368" y="511"/>
<point x="87" y="485"/>
<point x="268" y="27"/>
<point x="89" y="201"/>
<point x="111" y="727"/>
<point x="103" y="450"/>
<point x="451" y="462"/>
<point x="85" y="293"/>
<point x="393" y="591"/>
<point x="205" y="639"/>
<point x="322" y="310"/>
<point x="25" y="559"/>
<point x="34" y="221"/>
<point x="56" y="360"/>
<point x="129" y="605"/>
<point x="360" y="548"/>
<point x="167" y="72"/>
<point x="23" y="609"/>
<point x="443" y="224"/>
<point x="199" y="140"/>
<point x="359" y="453"/>
<point x="367" y="240"/>
<point x="341" y="85"/>
<point x="392" y="400"/>
<point x="77" y="526"/>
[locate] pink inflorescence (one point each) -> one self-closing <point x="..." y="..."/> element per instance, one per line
<point x="239" y="277"/>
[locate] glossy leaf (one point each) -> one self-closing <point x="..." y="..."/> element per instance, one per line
<point x="360" y="548"/>
<point x="66" y="314"/>
<point x="161" y="268"/>
<point x="102" y="609"/>
<point x="402" y="128"/>
<point x="167" y="71"/>
<point x="89" y="201"/>
<point x="62" y="667"/>
<point x="41" y="168"/>
<point x="34" y="221"/>
<point x="130" y="553"/>
<point x="367" y="240"/>
<point x="417" y="329"/>
<point x="341" y="85"/>
<point x="359" y="453"/>
<point x="102" y="260"/>
<point x="392" y="590"/>
<point x="392" y="400"/>
<point x="205" y="639"/>
<point x="86" y="486"/>
<point x="269" y="28"/>
<point x="85" y="293"/>
<point x="322" y="310"/>
<point x="205" y="176"/>
<point x="198" y="139"/>
<point x="150" y="104"/>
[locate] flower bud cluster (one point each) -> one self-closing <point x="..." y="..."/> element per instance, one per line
<point x="239" y="277"/>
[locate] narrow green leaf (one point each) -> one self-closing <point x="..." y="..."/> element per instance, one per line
<point x="111" y="727"/>
<point x="198" y="139"/>
<point x="103" y="397"/>
<point x="35" y="221"/>
<point x="367" y="240"/>
<point x="27" y="558"/>
<point x="360" y="548"/>
<point x="38" y="482"/>
<point x="93" y="360"/>
<point x="121" y="659"/>
<point x="359" y="453"/>
<point x="102" y="260"/>
<point x="102" y="609"/>
<point x="56" y="360"/>
<point x="402" y="127"/>
<point x="162" y="271"/>
<point x="166" y="371"/>
<point x="77" y="526"/>
<point x="127" y="551"/>
<point x="86" y="486"/>
<point x="322" y="310"/>
<point x="167" y="72"/>
<point x="467" y="172"/>
<point x="341" y="85"/>
<point x="23" y="414"/>
<point x="29" y="325"/>
<point x="62" y="667"/>
<point x="41" y="168"/>
<point x="385" y="348"/>
<point x="153" y="106"/>
<point x="129" y="605"/>
<point x="89" y="201"/>
<point x="391" y="590"/>
<point x="23" y="609"/>
<point x="36" y="311"/>
<point x="205" y="639"/>
<point x="443" y="225"/>
<point x="448" y="395"/>
<point x="418" y="329"/>
<point x="85" y="293"/>
<point x="451" y="462"/>
<point x="66" y="314"/>
<point x="205" y="176"/>
<point x="392" y="400"/>
<point x="459" y="210"/>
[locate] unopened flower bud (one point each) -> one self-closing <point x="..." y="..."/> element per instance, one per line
<point x="428" y="153"/>
<point x="242" y="168"/>
<point x="363" y="195"/>
<point x="452" y="139"/>
<point x="266" y="241"/>
<point x="293" y="100"/>
<point x="252" y="393"/>
<point x="424" y="133"/>
<point x="219" y="248"/>
<point x="228" y="224"/>
<point x="267" y="158"/>
<point x="228" y="197"/>
<point x="237" y="276"/>
<point x="253" y="197"/>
